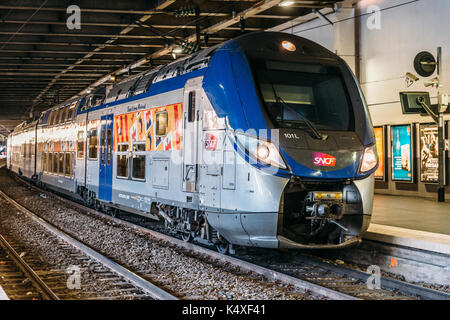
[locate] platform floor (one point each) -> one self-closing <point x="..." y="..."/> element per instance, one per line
<point x="412" y="213"/>
<point x="3" y="295"/>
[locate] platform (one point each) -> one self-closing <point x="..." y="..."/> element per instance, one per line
<point x="412" y="213"/>
<point x="411" y="222"/>
<point x="3" y="295"/>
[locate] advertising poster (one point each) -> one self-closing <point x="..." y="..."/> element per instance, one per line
<point x="429" y="153"/>
<point x="379" y="138"/>
<point x="402" y="157"/>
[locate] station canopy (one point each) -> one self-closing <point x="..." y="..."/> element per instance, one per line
<point x="44" y="61"/>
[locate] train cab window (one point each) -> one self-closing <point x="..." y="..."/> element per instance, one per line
<point x="80" y="145"/>
<point x="93" y="144"/>
<point x="138" y="161"/>
<point x="122" y="160"/>
<point x="162" y="120"/>
<point x="61" y="163"/>
<point x="191" y="109"/>
<point x="298" y="95"/>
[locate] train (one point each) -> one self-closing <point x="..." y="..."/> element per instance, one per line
<point x="261" y="141"/>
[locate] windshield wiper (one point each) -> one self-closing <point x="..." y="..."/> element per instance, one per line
<point x="311" y="126"/>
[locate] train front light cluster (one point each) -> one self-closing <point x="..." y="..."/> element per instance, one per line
<point x="369" y="160"/>
<point x="261" y="150"/>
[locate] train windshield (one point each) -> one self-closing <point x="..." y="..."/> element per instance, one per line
<point x="299" y="95"/>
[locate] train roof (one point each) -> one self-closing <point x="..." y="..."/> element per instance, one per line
<point x="253" y="44"/>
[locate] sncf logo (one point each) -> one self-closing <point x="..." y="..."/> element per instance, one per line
<point x="323" y="159"/>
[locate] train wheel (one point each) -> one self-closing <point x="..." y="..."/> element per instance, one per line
<point x="223" y="247"/>
<point x="187" y="237"/>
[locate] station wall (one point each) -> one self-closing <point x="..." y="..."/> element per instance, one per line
<point x="380" y="47"/>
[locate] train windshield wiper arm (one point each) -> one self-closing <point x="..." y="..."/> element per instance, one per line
<point x="311" y="126"/>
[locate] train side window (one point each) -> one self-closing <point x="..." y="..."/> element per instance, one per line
<point x="93" y="144"/>
<point x="55" y="163"/>
<point x="64" y="115"/>
<point x="68" y="164"/>
<point x="139" y="167"/>
<point x="58" y="116"/>
<point x="61" y="163"/>
<point x="49" y="162"/>
<point x="191" y="109"/>
<point x="44" y="162"/>
<point x="138" y="161"/>
<point x="80" y="145"/>
<point x="70" y="114"/>
<point x="52" y="117"/>
<point x="162" y="120"/>
<point x="122" y="160"/>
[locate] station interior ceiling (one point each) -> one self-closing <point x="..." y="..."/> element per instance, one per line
<point x="43" y="62"/>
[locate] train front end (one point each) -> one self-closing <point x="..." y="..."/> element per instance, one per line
<point x="301" y="121"/>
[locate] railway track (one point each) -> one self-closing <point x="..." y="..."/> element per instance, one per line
<point x="16" y="273"/>
<point x="303" y="272"/>
<point x="19" y="279"/>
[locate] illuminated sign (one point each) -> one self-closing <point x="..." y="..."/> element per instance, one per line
<point x="402" y="155"/>
<point x="379" y="139"/>
<point x="429" y="153"/>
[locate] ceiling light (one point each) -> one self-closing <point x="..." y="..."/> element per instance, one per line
<point x="286" y="3"/>
<point x="178" y="50"/>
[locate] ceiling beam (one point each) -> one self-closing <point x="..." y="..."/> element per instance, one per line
<point x="112" y="39"/>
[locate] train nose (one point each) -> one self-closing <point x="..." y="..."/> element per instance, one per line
<point x="336" y="157"/>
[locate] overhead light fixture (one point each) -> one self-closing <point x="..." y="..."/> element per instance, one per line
<point x="286" y="3"/>
<point x="177" y="50"/>
<point x="174" y="55"/>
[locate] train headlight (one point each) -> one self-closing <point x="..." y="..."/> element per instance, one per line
<point x="261" y="150"/>
<point x="369" y="159"/>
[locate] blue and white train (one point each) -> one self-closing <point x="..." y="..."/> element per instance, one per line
<point x="264" y="140"/>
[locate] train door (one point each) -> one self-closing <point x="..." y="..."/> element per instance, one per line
<point x="191" y="121"/>
<point x="106" y="158"/>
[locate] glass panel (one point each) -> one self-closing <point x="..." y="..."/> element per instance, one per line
<point x="80" y="145"/>
<point x="161" y="123"/>
<point x="67" y="165"/>
<point x="191" y="112"/>
<point x="44" y="162"/>
<point x="293" y="92"/>
<point x="93" y="144"/>
<point x="122" y="147"/>
<point x="139" y="167"/>
<point x="58" y="116"/>
<point x="122" y="166"/>
<point x="61" y="163"/>
<point x="71" y="164"/>
<point x="55" y="163"/>
<point x="102" y="146"/>
<point x="108" y="147"/>
<point x="64" y="115"/>
<point x="139" y="147"/>
<point x="52" y="117"/>
<point x="70" y="114"/>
